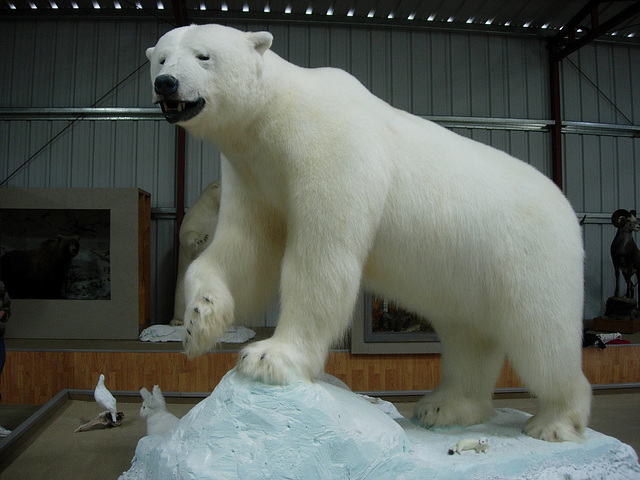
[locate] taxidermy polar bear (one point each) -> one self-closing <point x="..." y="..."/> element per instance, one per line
<point x="196" y="233"/>
<point x="327" y="187"/>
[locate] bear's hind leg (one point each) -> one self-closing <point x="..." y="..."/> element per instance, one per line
<point x="470" y="367"/>
<point x="564" y="394"/>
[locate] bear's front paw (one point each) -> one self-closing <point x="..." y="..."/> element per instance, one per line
<point x="438" y="410"/>
<point x="208" y="316"/>
<point x="201" y="239"/>
<point x="196" y="241"/>
<point x="274" y="362"/>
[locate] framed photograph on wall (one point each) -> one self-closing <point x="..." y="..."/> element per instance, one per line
<point x="75" y="261"/>
<point x="381" y="326"/>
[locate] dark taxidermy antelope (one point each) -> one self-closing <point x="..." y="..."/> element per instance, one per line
<point x="624" y="251"/>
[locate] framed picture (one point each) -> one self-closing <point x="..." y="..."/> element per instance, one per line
<point x="75" y="261"/>
<point x="381" y="326"/>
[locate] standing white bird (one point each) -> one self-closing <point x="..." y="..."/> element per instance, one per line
<point x="104" y="398"/>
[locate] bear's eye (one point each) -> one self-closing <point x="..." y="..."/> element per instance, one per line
<point x="162" y="61"/>
<point x="202" y="57"/>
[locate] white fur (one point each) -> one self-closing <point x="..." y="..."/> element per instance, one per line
<point x="327" y="187"/>
<point x="154" y="410"/>
<point x="196" y="234"/>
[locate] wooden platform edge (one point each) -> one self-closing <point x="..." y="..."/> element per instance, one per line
<point x="35" y="377"/>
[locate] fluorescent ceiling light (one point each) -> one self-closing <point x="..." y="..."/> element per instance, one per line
<point x="411" y="16"/>
<point x="351" y="12"/>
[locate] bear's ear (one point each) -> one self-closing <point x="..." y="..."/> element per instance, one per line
<point x="261" y="41"/>
<point x="149" y="52"/>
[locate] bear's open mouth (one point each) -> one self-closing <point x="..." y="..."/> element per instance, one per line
<point x="176" y="111"/>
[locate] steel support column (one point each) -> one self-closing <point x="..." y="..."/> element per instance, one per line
<point x="565" y="43"/>
<point x="556" y="117"/>
<point x="180" y="14"/>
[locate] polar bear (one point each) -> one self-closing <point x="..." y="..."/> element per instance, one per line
<point x="327" y="188"/>
<point x="196" y="233"/>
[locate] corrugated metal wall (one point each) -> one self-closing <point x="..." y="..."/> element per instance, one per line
<point x="601" y="85"/>
<point x="478" y="80"/>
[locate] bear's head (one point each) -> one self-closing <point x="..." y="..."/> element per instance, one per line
<point x="206" y="74"/>
<point x="68" y="246"/>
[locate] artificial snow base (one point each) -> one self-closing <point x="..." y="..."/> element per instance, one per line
<point x="249" y="430"/>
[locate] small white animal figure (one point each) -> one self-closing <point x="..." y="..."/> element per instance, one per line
<point x="104" y="398"/>
<point x="154" y="410"/>
<point x="480" y="445"/>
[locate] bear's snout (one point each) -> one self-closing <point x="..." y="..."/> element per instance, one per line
<point x="165" y="85"/>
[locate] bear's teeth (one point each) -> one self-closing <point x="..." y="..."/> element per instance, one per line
<point x="180" y="106"/>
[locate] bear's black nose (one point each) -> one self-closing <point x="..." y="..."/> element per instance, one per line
<point x="166" y="85"/>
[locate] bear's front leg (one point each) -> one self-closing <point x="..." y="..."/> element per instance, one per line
<point x="318" y="293"/>
<point x="209" y="311"/>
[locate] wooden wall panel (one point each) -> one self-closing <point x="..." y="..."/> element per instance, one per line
<point x="32" y="378"/>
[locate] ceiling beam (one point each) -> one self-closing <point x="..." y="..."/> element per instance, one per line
<point x="180" y="12"/>
<point x="565" y="42"/>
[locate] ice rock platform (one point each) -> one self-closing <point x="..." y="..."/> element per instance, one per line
<point x="320" y="431"/>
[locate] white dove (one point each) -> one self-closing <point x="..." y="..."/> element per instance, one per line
<point x="104" y="398"/>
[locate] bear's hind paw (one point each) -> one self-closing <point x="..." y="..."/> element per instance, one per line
<point x="554" y="431"/>
<point x="435" y="410"/>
